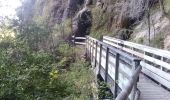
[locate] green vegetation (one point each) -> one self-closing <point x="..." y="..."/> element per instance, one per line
<point x="37" y="64"/>
<point x="102" y="23"/>
<point x="140" y="40"/>
<point x="158" y="41"/>
<point x="104" y="91"/>
<point x="29" y="75"/>
<point x="167" y="5"/>
<point x="167" y="8"/>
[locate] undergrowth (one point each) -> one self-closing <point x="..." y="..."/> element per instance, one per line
<point x="30" y="75"/>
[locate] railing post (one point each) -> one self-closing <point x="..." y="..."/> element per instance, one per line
<point x="106" y="67"/>
<point x="162" y="59"/>
<point x="116" y="75"/>
<point x="96" y="55"/>
<point x="86" y="48"/>
<point x="74" y="40"/>
<point x="92" y="52"/>
<point x="100" y="57"/>
<point x="136" y="64"/>
<point x="90" y="49"/>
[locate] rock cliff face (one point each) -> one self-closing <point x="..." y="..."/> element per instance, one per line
<point x="55" y="10"/>
<point x="119" y="18"/>
<point x="122" y="14"/>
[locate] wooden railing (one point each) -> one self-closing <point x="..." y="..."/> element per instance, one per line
<point x="155" y="62"/>
<point x="75" y="40"/>
<point x="117" y="68"/>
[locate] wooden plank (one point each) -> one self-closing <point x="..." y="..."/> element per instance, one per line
<point x="157" y="71"/>
<point x="156" y="77"/>
<point x="150" y="90"/>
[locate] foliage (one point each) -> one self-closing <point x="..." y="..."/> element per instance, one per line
<point x="28" y="71"/>
<point x="167" y="5"/>
<point x="140" y="40"/>
<point x="158" y="41"/>
<point x="104" y="92"/>
<point x="101" y="23"/>
<point x="66" y="50"/>
<point x="28" y="75"/>
<point x="81" y="78"/>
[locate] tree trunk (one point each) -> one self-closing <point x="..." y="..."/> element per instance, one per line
<point x="162" y="7"/>
<point x="149" y="26"/>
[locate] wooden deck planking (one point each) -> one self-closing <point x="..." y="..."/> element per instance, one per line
<point x="150" y="90"/>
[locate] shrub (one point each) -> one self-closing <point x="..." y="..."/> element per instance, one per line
<point x="38" y="75"/>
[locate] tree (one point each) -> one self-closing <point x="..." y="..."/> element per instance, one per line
<point x="161" y="2"/>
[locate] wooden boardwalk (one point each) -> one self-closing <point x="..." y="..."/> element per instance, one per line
<point x="151" y="90"/>
<point x="118" y="63"/>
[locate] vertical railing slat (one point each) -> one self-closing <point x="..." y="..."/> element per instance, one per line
<point x="90" y="49"/>
<point x="95" y="55"/>
<point x="87" y="47"/>
<point x="136" y="64"/>
<point x="116" y="75"/>
<point x="100" y="57"/>
<point x="106" y="67"/>
<point x="92" y="52"/>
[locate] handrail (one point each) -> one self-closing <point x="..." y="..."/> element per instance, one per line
<point x="156" y="62"/>
<point x="113" y="49"/>
<point x="155" y="51"/>
<point x="78" y="38"/>
<point x="81" y="38"/>
<point x="104" y="56"/>
<point x="126" y="91"/>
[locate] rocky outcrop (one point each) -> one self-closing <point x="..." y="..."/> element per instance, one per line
<point x="73" y="6"/>
<point x="57" y="11"/>
<point x="83" y="21"/>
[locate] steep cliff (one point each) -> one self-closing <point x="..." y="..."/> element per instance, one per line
<point x="122" y="19"/>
